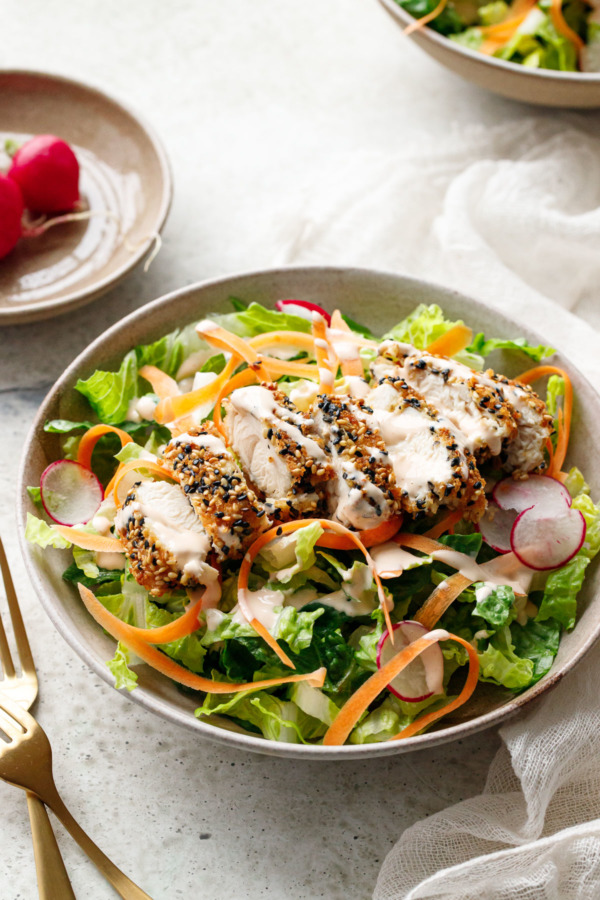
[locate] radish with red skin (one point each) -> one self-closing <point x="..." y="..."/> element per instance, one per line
<point x="302" y="308"/>
<point x="424" y="676"/>
<point x="47" y="172"/>
<point x="70" y="493"/>
<point x="541" y="491"/>
<point x="11" y="212"/>
<point x="541" y="542"/>
<point x="496" y="525"/>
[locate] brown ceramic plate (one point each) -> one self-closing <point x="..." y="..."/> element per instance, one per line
<point x="544" y="87"/>
<point x="381" y="300"/>
<point x="124" y="169"/>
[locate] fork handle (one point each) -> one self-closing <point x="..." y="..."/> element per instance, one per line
<point x="123" y="885"/>
<point x="52" y="877"/>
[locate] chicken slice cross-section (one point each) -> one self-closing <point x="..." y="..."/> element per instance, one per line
<point x="279" y="450"/>
<point x="525" y="452"/>
<point x="473" y="402"/>
<point x="363" y="495"/>
<point x="229" y="510"/>
<point x="165" y="542"/>
<point x="432" y="465"/>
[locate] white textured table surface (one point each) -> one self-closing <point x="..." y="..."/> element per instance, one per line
<point x="253" y="101"/>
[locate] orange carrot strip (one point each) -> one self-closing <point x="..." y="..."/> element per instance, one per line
<point x="125" y="633"/>
<point x="96" y="542"/>
<point x="558" y="20"/>
<point x="225" y="340"/>
<point x="162" y="384"/>
<point x="242" y="379"/>
<point x="441" y="598"/>
<point x="445" y="524"/>
<point x="287" y="528"/>
<point x="326" y="374"/>
<point x="275" y="368"/>
<point x="420" y="23"/>
<point x="507" y="27"/>
<point x="369" y="538"/>
<point x="173" y="408"/>
<point x="135" y="465"/>
<point x="172" y="631"/>
<point x="567" y="411"/>
<point x="358" y="703"/>
<point x="352" y="366"/>
<point x="91" y="438"/>
<point x="269" y="367"/>
<point x="455" y="340"/>
<point x="469" y="686"/>
<point x="419" y="542"/>
<point x="299" y="339"/>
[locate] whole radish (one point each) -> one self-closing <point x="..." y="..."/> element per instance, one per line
<point x="11" y="211"/>
<point x="47" y="172"/>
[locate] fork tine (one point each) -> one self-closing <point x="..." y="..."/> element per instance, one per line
<point x="25" y="657"/>
<point x="10" y="719"/>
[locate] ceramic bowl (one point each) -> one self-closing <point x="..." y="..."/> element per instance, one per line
<point x="544" y="87"/>
<point x="380" y="300"/>
<point x="123" y="171"/>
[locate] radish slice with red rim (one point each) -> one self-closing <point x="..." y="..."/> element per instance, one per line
<point x="421" y="678"/>
<point x="70" y="493"/>
<point x="495" y="527"/>
<point x="547" y="542"/>
<point x="302" y="308"/>
<point x="548" y="495"/>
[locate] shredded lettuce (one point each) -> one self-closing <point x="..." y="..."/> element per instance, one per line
<point x="500" y="664"/>
<point x="277" y="720"/>
<point x="119" y="666"/>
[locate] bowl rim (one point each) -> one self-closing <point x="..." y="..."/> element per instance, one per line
<point x="158" y="705"/>
<point x="44" y="308"/>
<point x="505" y="65"/>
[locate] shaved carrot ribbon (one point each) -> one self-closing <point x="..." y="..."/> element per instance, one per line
<point x="162" y="384"/>
<point x="96" y="542"/>
<point x="558" y="20"/>
<point x="504" y="30"/>
<point x="451" y="343"/>
<point x="442" y="597"/>
<point x="420" y="23"/>
<point x="288" y="528"/>
<point x="371" y="537"/>
<point x="564" y="415"/>
<point x="242" y="379"/>
<point x="174" y="408"/>
<point x="352" y="367"/>
<point x="445" y="525"/>
<point x="359" y="702"/>
<point x="299" y="339"/>
<point x="91" y="438"/>
<point x="134" y="465"/>
<point x="125" y="633"/>
<point x="326" y="373"/>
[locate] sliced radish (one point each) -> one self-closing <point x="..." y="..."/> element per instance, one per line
<point x="70" y="493"/>
<point x="547" y="542"/>
<point x="495" y="527"/>
<point x="548" y="495"/>
<point x="302" y="308"/>
<point x="421" y="678"/>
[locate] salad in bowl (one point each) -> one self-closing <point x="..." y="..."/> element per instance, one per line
<point x="322" y="535"/>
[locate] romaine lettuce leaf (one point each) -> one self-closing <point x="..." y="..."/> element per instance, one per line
<point x="119" y="666"/>
<point x="278" y="720"/>
<point x="500" y="664"/>
<point x="110" y="393"/>
<point x="483" y="347"/>
<point x="39" y="532"/>
<point x="537" y="641"/>
<point x="424" y="325"/>
<point x="296" y="628"/>
<point x="256" y="319"/>
<point x="495" y="607"/>
<point x="313" y="702"/>
<point x="187" y="650"/>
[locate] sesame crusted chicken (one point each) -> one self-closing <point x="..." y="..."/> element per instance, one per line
<point x="525" y="452"/>
<point x="165" y="543"/>
<point x="472" y="402"/>
<point x="433" y="468"/>
<point x="214" y="484"/>
<point x="279" y="450"/>
<point x="363" y="494"/>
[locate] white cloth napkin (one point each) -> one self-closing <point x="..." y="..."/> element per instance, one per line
<point x="510" y="215"/>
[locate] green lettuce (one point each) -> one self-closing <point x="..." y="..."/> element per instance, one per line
<point x="447" y="22"/>
<point x="497" y="607"/>
<point x="119" y="666"/>
<point x="39" y="532"/>
<point x="483" y="347"/>
<point x="500" y="664"/>
<point x="296" y="628"/>
<point x="424" y="325"/>
<point x="110" y="393"/>
<point x="187" y="650"/>
<point x="277" y="720"/>
<point x="538" y="642"/>
<point x="256" y="319"/>
<point x="292" y="554"/>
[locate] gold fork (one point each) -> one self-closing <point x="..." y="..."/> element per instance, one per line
<point x="26" y="762"/>
<point x="22" y="688"/>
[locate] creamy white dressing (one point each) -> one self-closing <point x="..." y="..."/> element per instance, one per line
<point x="325" y="377"/>
<point x="204" y="441"/>
<point x="189" y="367"/>
<point x="141" y="408"/>
<point x="485" y="589"/>
<point x="102" y="524"/>
<point x="358" y="387"/>
<point x="470" y="569"/>
<point x="202" y="379"/>
<point x="391" y="560"/>
<point x="206" y="325"/>
<point x="304" y="395"/>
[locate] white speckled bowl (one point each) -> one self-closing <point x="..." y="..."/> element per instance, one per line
<point x="544" y="87"/>
<point x="379" y="300"/>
